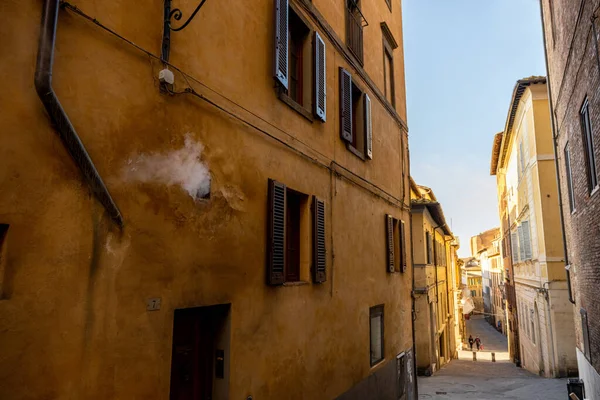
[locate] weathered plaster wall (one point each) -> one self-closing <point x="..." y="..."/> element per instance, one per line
<point x="74" y="311"/>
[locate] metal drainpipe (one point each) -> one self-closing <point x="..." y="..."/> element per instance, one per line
<point x="66" y="131"/>
<point x="414" y="311"/>
<point x="555" y="147"/>
<point x="514" y="292"/>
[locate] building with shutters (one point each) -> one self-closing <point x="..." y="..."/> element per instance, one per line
<point x="434" y="288"/>
<point x="523" y="163"/>
<point x="207" y="208"/>
<point x="573" y="68"/>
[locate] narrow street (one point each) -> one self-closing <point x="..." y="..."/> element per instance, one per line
<point x="483" y="379"/>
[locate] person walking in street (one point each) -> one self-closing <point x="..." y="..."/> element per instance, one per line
<point x="471" y="342"/>
<point x="478" y="343"/>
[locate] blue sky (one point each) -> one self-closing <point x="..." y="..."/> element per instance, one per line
<point x="462" y="59"/>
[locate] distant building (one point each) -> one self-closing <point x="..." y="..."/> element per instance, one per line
<point x="474" y="284"/>
<point x="523" y="163"/>
<point x="434" y="252"/>
<point x="487" y="256"/>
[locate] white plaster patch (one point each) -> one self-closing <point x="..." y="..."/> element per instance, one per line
<point x="182" y="167"/>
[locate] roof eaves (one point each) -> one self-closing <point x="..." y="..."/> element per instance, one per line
<point x="520" y="87"/>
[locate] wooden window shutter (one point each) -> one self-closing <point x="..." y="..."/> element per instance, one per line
<point x="319" y="249"/>
<point x="281" y="42"/>
<point x="320" y="78"/>
<point x="368" y="126"/>
<point x="403" y="255"/>
<point x="276" y="231"/>
<point x="521" y="243"/>
<point x="526" y="240"/>
<point x="345" y="105"/>
<point x="389" y="220"/>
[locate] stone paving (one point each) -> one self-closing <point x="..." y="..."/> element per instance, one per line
<point x="483" y="379"/>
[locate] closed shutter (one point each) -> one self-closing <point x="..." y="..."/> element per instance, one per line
<point x="320" y="78"/>
<point x="403" y="255"/>
<point x="389" y="220"/>
<point x="276" y="232"/>
<point x="526" y="240"/>
<point x="320" y="253"/>
<point x="345" y="105"/>
<point x="521" y="243"/>
<point x="281" y="42"/>
<point x="368" y="126"/>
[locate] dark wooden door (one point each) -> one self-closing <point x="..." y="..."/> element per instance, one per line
<point x="193" y="351"/>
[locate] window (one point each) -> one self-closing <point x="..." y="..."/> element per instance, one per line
<point x="288" y="242"/>
<point x="389" y="4"/>
<point x="389" y="44"/>
<point x="4" y="290"/>
<point x="552" y="22"/>
<point x="586" y="335"/>
<point x="355" y="117"/>
<point x="522" y="157"/>
<point x="294" y="204"/>
<point x="355" y="21"/>
<point x="299" y="65"/>
<point x="588" y="145"/>
<point x="532" y="327"/>
<point x="396" y="245"/>
<point x="473" y="293"/>
<point x="376" y="334"/>
<point x="298" y="35"/>
<point x="514" y="247"/>
<point x="429" y="245"/>
<point x="569" y="178"/>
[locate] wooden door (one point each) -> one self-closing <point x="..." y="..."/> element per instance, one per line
<point x="193" y="351"/>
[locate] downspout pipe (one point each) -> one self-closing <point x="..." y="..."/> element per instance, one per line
<point x="556" y="165"/>
<point x="66" y="131"/>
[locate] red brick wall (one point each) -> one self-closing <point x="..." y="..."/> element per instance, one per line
<point x="575" y="74"/>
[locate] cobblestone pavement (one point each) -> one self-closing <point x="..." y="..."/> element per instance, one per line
<point x="483" y="379"/>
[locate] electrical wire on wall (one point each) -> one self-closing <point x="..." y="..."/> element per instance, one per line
<point x="330" y="164"/>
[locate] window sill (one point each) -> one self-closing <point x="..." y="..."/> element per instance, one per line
<point x="354" y="151"/>
<point x="377" y="363"/>
<point x="595" y="190"/>
<point x="297" y="283"/>
<point x="295" y="106"/>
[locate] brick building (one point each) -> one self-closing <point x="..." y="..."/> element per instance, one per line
<point x="570" y="37"/>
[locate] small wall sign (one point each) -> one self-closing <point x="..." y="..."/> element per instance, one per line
<point x="153" y="304"/>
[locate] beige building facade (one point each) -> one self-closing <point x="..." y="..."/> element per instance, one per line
<point x="434" y="258"/>
<point x="232" y="224"/>
<point x="523" y="160"/>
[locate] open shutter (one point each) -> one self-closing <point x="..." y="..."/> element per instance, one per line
<point x="319" y="250"/>
<point x="281" y="42"/>
<point x="403" y="255"/>
<point x="276" y="231"/>
<point x="389" y="221"/>
<point x="345" y="105"/>
<point x="514" y="247"/>
<point x="320" y="78"/>
<point x="521" y="243"/>
<point x="368" y="126"/>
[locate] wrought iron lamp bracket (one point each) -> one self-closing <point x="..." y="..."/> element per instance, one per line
<point x="175" y="14"/>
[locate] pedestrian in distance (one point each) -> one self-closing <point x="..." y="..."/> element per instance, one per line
<point x="478" y="342"/>
<point x="471" y="342"/>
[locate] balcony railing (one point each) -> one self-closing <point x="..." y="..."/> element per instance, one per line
<point x="355" y="22"/>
